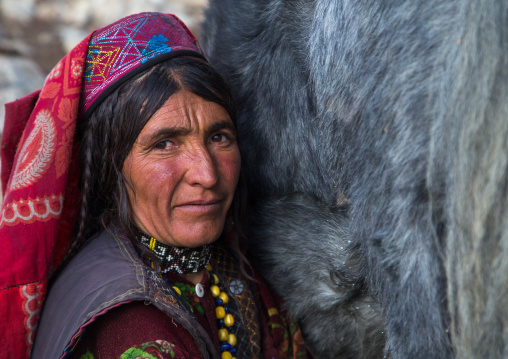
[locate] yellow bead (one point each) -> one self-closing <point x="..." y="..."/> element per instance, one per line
<point x="209" y="267"/>
<point x="215" y="291"/>
<point x="228" y="320"/>
<point x="224" y="297"/>
<point x="232" y="339"/>
<point x="215" y="278"/>
<point x="273" y="311"/>
<point x="220" y="313"/>
<point x="224" y="335"/>
<point x="177" y="290"/>
<point x="226" y="355"/>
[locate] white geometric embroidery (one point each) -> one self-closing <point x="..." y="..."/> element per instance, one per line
<point x="31" y="313"/>
<point x="33" y="213"/>
<point x="28" y="173"/>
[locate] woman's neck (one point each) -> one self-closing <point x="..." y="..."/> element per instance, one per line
<point x="195" y="278"/>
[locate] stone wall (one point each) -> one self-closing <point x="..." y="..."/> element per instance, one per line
<point x="36" y="34"/>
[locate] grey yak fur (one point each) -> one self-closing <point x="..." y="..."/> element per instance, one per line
<point x="374" y="137"/>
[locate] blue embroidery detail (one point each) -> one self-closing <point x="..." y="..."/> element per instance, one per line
<point x="156" y="46"/>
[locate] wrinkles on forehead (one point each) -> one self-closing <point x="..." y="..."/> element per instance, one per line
<point x="183" y="114"/>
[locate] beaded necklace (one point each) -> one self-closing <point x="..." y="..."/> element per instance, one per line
<point x="192" y="260"/>
<point x="225" y="319"/>
<point x="174" y="259"/>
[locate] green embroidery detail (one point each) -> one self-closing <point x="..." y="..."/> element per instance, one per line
<point x="134" y="353"/>
<point x="87" y="355"/>
<point x="189" y="295"/>
<point x="159" y="346"/>
<point x="276" y="325"/>
<point x="165" y="347"/>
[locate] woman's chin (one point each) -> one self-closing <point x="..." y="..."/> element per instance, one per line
<point x="192" y="237"/>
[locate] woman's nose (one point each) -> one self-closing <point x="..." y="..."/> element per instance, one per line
<point x="202" y="170"/>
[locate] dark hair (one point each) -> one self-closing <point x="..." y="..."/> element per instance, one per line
<point x="108" y="135"/>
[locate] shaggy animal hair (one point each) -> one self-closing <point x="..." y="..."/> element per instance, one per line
<point x="384" y="124"/>
<point x="331" y="294"/>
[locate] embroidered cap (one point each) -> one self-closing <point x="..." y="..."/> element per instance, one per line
<point x="121" y="50"/>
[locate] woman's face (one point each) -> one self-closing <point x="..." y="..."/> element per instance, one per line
<point x="183" y="169"/>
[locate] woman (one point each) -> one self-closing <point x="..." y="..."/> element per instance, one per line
<point x="155" y="268"/>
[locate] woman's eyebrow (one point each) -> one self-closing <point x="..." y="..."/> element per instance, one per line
<point x="164" y="133"/>
<point x="222" y="125"/>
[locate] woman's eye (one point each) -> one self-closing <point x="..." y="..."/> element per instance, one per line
<point x="162" y="145"/>
<point x="221" y="138"/>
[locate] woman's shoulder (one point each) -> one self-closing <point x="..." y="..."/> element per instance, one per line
<point x="104" y="273"/>
<point x="105" y="260"/>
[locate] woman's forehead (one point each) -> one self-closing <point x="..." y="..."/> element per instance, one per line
<point x="186" y="110"/>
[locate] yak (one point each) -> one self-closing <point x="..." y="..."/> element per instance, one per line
<point x="374" y="141"/>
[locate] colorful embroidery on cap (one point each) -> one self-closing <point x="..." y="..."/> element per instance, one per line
<point x="126" y="45"/>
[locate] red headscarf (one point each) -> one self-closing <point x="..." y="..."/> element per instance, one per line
<point x="40" y="164"/>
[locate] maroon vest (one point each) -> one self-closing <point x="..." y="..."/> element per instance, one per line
<point x="106" y="273"/>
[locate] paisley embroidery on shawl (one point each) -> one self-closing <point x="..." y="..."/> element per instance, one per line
<point x="37" y="151"/>
<point x="31" y="210"/>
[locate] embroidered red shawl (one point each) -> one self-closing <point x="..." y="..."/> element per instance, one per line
<point x="40" y="197"/>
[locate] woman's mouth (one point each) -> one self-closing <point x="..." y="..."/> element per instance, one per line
<point x="200" y="206"/>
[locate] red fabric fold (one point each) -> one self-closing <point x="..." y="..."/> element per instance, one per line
<point x="39" y="183"/>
